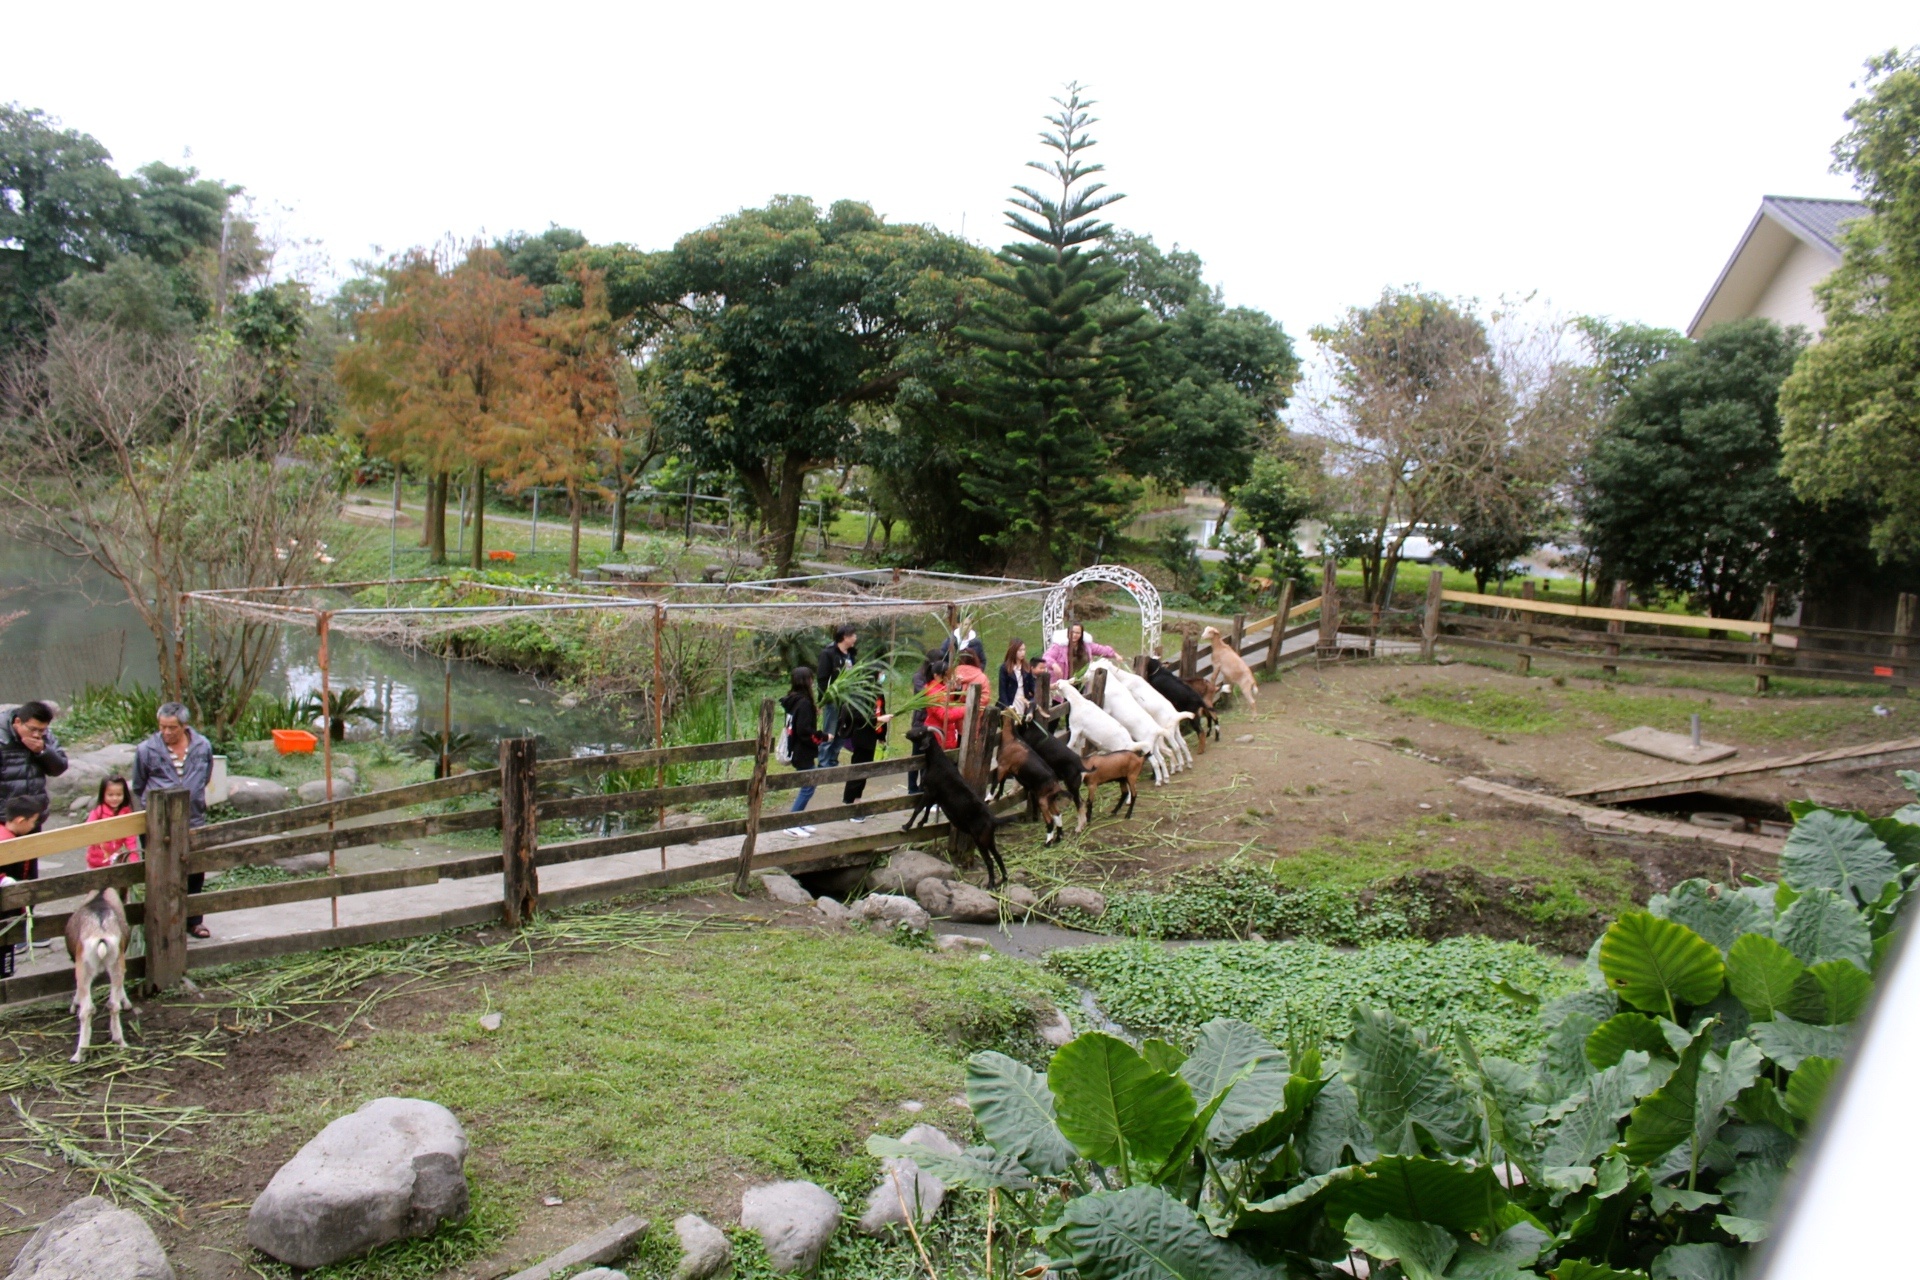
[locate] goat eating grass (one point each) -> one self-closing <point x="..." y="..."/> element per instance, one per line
<point x="97" y="940"/>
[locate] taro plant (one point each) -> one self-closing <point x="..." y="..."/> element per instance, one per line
<point x="1649" y="1139"/>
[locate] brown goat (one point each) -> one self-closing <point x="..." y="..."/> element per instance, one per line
<point x="1209" y="717"/>
<point x="1230" y="668"/>
<point x="1017" y="760"/>
<point x="97" y="940"/>
<point x="1122" y="767"/>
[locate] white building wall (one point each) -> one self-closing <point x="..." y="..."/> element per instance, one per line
<point x="1788" y="299"/>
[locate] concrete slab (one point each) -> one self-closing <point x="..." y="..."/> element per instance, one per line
<point x="1677" y="747"/>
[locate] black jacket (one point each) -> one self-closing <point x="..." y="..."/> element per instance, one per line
<point x="1012" y="684"/>
<point x="24" y="772"/>
<point x="803" y="745"/>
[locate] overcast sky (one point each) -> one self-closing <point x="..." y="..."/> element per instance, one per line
<point x="1606" y="156"/>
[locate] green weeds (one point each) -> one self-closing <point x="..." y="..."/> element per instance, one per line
<point x="1489" y="710"/>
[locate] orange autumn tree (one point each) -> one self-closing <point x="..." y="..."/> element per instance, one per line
<point x="436" y="369"/>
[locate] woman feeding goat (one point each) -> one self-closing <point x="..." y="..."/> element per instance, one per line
<point x="1071" y="651"/>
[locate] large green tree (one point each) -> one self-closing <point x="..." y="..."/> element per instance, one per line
<point x="1851" y="409"/>
<point x="1684" y="489"/>
<point x="767" y="332"/>
<point x="1050" y="423"/>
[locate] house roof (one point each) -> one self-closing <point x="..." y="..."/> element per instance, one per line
<point x="1779" y="222"/>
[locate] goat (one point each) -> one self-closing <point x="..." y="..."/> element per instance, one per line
<point x="1089" y="726"/>
<point x="97" y="940"/>
<point x="1115" y="766"/>
<point x="1157" y="708"/>
<point x="1065" y="762"/>
<point x="1230" y="668"/>
<point x="943" y="785"/>
<point x="1018" y="760"/>
<point x="1186" y="698"/>
<point x="1132" y="717"/>
<point x="1205" y="689"/>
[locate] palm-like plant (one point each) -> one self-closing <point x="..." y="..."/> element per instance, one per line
<point x="350" y="703"/>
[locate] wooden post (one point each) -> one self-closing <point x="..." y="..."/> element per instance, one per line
<point x="975" y="766"/>
<point x="660" y="712"/>
<point x="1239" y="636"/>
<point x="957" y="843"/>
<point x="1763" y="645"/>
<point x="1043" y="697"/>
<point x="322" y="626"/>
<point x="1430" y="628"/>
<point x="1525" y="662"/>
<point x="1189" y="656"/>
<point x="1140" y="665"/>
<point x="1903" y="624"/>
<point x="756" y="794"/>
<point x="166" y="862"/>
<point x="1097" y="691"/>
<point x="1279" y="627"/>
<point x="1616" y="627"/>
<point x="519" y="832"/>
<point x="953" y="625"/>
<point x="1329" y="607"/>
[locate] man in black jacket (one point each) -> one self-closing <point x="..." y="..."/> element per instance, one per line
<point x="834" y="659"/>
<point x="29" y="755"/>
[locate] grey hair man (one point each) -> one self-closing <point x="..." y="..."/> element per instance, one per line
<point x="177" y="757"/>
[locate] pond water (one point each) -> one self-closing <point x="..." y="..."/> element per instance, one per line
<point x="78" y="629"/>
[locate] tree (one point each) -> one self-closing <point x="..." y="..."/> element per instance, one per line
<point x="1851" y="407"/>
<point x="1272" y="503"/>
<point x="1058" y="342"/>
<point x="764" y="333"/>
<point x="1685" y="492"/>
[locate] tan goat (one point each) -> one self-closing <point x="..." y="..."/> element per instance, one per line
<point x="1230" y="668"/>
<point x="97" y="940"/>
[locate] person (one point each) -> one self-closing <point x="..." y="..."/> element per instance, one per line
<point x="834" y="659"/>
<point x="177" y="757"/>
<point x="1072" y="650"/>
<point x="19" y="817"/>
<point x="113" y="800"/>
<point x="930" y="680"/>
<point x="29" y="755"/>
<point x="803" y="737"/>
<point x="866" y="729"/>
<point x="1016" y="676"/>
<point x="968" y="673"/>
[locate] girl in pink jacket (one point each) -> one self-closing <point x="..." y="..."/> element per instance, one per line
<point x="1071" y="651"/>
<point x="112" y="802"/>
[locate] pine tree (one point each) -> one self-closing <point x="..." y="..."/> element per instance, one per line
<point x="1056" y="339"/>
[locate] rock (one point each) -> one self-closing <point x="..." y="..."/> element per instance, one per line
<point x="601" y="1273"/>
<point x="782" y="887"/>
<point x="1020" y="900"/>
<point x="1056" y="1031"/>
<point x="961" y="942"/>
<point x="1085" y="901"/>
<point x="904" y="872"/>
<point x="795" y="1220"/>
<point x="567" y="701"/>
<point x="86" y="770"/>
<point x="889" y="909"/>
<point x="490" y="1022"/>
<point x="302" y="863"/>
<point x="899" y="1177"/>
<point x="344" y="783"/>
<point x="90" y="1239"/>
<point x="394" y="1169"/>
<point x="705" y="1250"/>
<point x="957" y="900"/>
<point x="256" y="795"/>
<point x="684" y="820"/>
<point x="833" y="909"/>
<point x="1245" y="737"/>
<point x="713" y="573"/>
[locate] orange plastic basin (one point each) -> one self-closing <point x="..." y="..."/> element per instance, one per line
<point x="500" y="555"/>
<point x="290" y="742"/>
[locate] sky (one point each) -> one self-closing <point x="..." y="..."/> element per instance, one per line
<point x="1603" y="158"/>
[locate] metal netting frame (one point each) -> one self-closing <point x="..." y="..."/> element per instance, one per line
<point x="1053" y="612"/>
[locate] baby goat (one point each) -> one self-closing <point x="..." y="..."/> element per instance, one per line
<point x="1122" y="767"/>
<point x="943" y="785"/>
<point x="1018" y="760"/>
<point x="97" y="940"/>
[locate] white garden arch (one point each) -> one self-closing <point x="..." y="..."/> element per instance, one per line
<point x="1054" y="613"/>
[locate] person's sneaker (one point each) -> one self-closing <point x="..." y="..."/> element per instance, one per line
<point x="858" y="817"/>
<point x="801" y="833"/>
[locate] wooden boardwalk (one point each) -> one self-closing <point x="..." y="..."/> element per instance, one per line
<point x="1615" y="822"/>
<point x="1867" y="755"/>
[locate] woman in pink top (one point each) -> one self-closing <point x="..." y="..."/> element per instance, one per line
<point x="112" y="802"/>
<point x="1070" y="654"/>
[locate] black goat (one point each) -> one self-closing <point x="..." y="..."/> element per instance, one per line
<point x="1184" y="697"/>
<point x="1059" y="757"/>
<point x="941" y="784"/>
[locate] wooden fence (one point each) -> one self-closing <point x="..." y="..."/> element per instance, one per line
<point x="522" y="793"/>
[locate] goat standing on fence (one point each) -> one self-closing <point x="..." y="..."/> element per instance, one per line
<point x="98" y="936"/>
<point x="1230" y="668"/>
<point x="944" y="786"/>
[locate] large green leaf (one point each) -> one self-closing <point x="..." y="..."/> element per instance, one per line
<point x="1502" y="1257"/>
<point x="1697" y="1262"/>
<point x="1722" y="1079"/>
<point x="1901" y="834"/>
<point x="1506" y="1100"/>
<point x="1821" y="925"/>
<point x="1336" y="1135"/>
<point x="1829" y="993"/>
<point x="1752" y="1188"/>
<point x="1715" y="914"/>
<point x="1114" y="1108"/>
<point x="1563" y="1067"/>
<point x="1015" y="1113"/>
<point x="1621" y="1032"/>
<point x="1142" y="1233"/>
<point x="1761" y="1104"/>
<point x="1405" y="1089"/>
<point x="1422" y="1249"/>
<point x="1574" y="1269"/>
<point x="1666" y="1118"/>
<point x="1657" y="965"/>
<point x="1808" y="1085"/>
<point x="1828" y="850"/>
<point x="1761" y="973"/>
<point x="1459" y="1197"/>
<point x="1296" y="1104"/>
<point x="978" y="1170"/>
<point x="1790" y="1043"/>
<point x="1224" y="1049"/>
<point x="1584" y="1134"/>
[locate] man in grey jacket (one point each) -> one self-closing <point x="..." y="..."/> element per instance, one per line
<point x="177" y="757"/>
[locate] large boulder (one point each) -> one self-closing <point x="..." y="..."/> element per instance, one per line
<point x="885" y="910"/>
<point x="1020" y="900"/>
<point x="87" y="769"/>
<point x="705" y="1250"/>
<point x="794" y="1219"/>
<point x="1088" y="902"/>
<point x="832" y="910"/>
<point x="256" y="795"/>
<point x="904" y="872"/>
<point x="900" y="1176"/>
<point x="394" y="1169"/>
<point x="957" y="900"/>
<point x="90" y="1239"/>
<point x="345" y="782"/>
<point x="782" y="887"/>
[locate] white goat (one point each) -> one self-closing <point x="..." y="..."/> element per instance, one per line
<point x="1089" y="726"/>
<point x="1133" y="718"/>
<point x="1155" y="704"/>
<point x="97" y="940"/>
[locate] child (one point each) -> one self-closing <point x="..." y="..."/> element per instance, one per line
<point x="112" y="802"/>
<point x="22" y="819"/>
<point x="803" y="740"/>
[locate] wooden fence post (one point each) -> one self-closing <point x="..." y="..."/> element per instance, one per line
<point x="1329" y="608"/>
<point x="1140" y="665"/>
<point x="1615" y="627"/>
<point x="1043" y="698"/>
<point x="957" y="842"/>
<point x="1189" y="656"/>
<point x="1239" y="636"/>
<point x="166" y="909"/>
<point x="1903" y="624"/>
<point x="1430" y="627"/>
<point x="519" y="831"/>
<point x="1525" y="661"/>
<point x="1097" y="691"/>
<point x="1763" y="653"/>
<point x="756" y="794"/>
<point x="1279" y="627"/>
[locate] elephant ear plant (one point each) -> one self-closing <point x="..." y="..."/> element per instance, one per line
<point x="1648" y="1140"/>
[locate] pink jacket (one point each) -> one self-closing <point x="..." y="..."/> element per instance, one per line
<point x="1056" y="657"/>
<point x="102" y="854"/>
